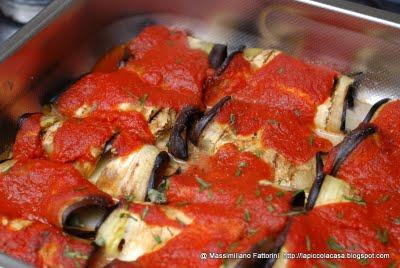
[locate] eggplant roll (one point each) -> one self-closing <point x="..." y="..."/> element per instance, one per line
<point x="285" y="122"/>
<point x="163" y="73"/>
<point x="136" y="229"/>
<point x="358" y="204"/>
<point x="53" y="193"/>
<point x="41" y="245"/>
<point x="224" y="203"/>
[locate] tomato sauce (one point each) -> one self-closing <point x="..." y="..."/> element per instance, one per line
<point x="368" y="225"/>
<point x="42" y="245"/>
<point x="340" y="229"/>
<point x="28" y="143"/>
<point x="280" y="99"/>
<point x="70" y="145"/>
<point x="164" y="71"/>
<point x="42" y="190"/>
<point x="231" y="211"/>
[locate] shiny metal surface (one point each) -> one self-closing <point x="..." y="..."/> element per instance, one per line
<point x="67" y="37"/>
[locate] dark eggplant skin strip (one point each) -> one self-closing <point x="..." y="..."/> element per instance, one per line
<point x="23" y="118"/>
<point x="160" y="164"/>
<point x="349" y="99"/>
<point x="349" y="143"/>
<point x="228" y="59"/>
<point x="178" y="145"/>
<point x="279" y="242"/>
<point x="317" y="184"/>
<point x="217" y="55"/>
<point x="374" y="108"/>
<point x="97" y="203"/>
<point x="206" y="119"/>
<point x="298" y="200"/>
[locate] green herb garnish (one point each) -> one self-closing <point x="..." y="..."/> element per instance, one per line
<point x="145" y="212"/>
<point x="334" y="245"/>
<point x="308" y="243"/>
<point x="203" y="185"/>
<point x="239" y="200"/>
<point x="157" y="238"/>
<point x="280" y="193"/>
<point x="73" y="254"/>
<point x="311" y="139"/>
<point x="143" y="99"/>
<point x="130" y="198"/>
<point x="356" y="199"/>
<point x="127" y="215"/>
<point x="271" y="208"/>
<point x="258" y="192"/>
<point x="397" y="221"/>
<point x="247" y="216"/>
<point x="382" y="235"/>
<point x="157" y="196"/>
<point x="363" y="261"/>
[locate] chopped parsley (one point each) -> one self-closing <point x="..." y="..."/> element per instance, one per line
<point x="258" y="153"/>
<point x="308" y="243"/>
<point x="363" y="261"/>
<point x="182" y="204"/>
<point x="281" y="70"/>
<point x="340" y="215"/>
<point x="356" y="199"/>
<point x="311" y="139"/>
<point x="383" y="199"/>
<point x="130" y="198"/>
<point x="203" y="185"/>
<point x="145" y="212"/>
<point x="239" y="200"/>
<point x="258" y="192"/>
<point x="143" y="99"/>
<point x="382" y="235"/>
<point x="127" y="215"/>
<point x="273" y="122"/>
<point x="247" y="215"/>
<point x="157" y="196"/>
<point x="232" y="119"/>
<point x="220" y="244"/>
<point x="73" y="254"/>
<point x="280" y="193"/>
<point x="268" y="198"/>
<point x="297" y="112"/>
<point x="397" y="221"/>
<point x="334" y="245"/>
<point x="271" y="208"/>
<point x="157" y="238"/>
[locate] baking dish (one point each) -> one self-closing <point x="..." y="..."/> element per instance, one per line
<point x="64" y="41"/>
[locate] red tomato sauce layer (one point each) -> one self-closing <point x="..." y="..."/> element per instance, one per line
<point x="340" y="229"/>
<point x="372" y="167"/>
<point x="41" y="190"/>
<point x="77" y="139"/>
<point x="28" y="143"/>
<point x="280" y="99"/>
<point x="163" y="71"/>
<point x="42" y="245"/>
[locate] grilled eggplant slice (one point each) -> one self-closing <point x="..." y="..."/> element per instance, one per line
<point x="130" y="175"/>
<point x="126" y="234"/>
<point x="178" y="144"/>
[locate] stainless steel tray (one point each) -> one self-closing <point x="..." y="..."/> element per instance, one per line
<point x="64" y="41"/>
